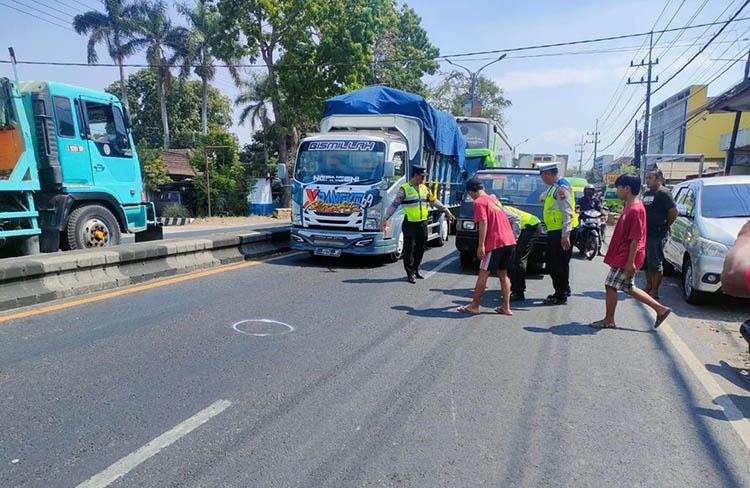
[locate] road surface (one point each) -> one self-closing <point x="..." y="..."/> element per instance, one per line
<point x="364" y="380"/>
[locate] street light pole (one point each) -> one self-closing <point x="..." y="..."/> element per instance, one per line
<point x="514" y="149"/>
<point x="474" y="75"/>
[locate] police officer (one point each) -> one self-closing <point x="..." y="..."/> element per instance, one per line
<point x="560" y="219"/>
<point x="530" y="228"/>
<point x="415" y="198"/>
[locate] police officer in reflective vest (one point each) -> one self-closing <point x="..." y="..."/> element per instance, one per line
<point x="415" y="199"/>
<point x="529" y="232"/>
<point x="560" y="219"/>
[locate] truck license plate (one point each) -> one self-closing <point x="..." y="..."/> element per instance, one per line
<point x="328" y="252"/>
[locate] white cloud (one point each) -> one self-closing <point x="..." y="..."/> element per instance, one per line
<point x="559" y="137"/>
<point x="551" y="77"/>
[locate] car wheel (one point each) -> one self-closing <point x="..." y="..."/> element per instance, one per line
<point x="691" y="295"/>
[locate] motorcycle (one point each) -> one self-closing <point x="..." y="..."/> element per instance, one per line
<point x="588" y="235"/>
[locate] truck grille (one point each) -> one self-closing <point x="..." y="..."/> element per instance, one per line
<point x="314" y="220"/>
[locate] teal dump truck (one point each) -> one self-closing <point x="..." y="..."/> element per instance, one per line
<point x="69" y="172"/>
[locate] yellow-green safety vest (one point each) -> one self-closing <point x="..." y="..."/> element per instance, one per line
<point x="553" y="217"/>
<point x="527" y="219"/>
<point x="415" y="203"/>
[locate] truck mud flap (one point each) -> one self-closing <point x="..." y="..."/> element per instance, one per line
<point x="153" y="232"/>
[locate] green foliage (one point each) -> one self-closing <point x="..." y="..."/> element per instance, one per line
<point x="260" y="156"/>
<point x="183" y="107"/>
<point x="176" y="211"/>
<point x="153" y="170"/>
<point x="626" y="169"/>
<point x="226" y="175"/>
<point x="452" y="92"/>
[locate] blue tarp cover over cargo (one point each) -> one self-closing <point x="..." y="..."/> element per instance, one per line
<point x="442" y="133"/>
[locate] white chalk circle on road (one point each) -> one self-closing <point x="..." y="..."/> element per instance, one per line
<point x="262" y="327"/>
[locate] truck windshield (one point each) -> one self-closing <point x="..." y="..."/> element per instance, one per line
<point x="515" y="189"/>
<point x="340" y="161"/>
<point x="725" y="201"/>
<point x="477" y="134"/>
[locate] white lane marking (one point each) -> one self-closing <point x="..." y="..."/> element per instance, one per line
<point x="733" y="414"/>
<point x="126" y="464"/>
<point x="237" y="328"/>
<point x="440" y="266"/>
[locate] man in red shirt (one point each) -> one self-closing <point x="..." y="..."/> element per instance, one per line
<point x="495" y="248"/>
<point x="626" y="253"/>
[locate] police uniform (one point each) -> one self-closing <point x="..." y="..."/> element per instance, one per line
<point x="560" y="219"/>
<point x="415" y="201"/>
<point x="529" y="232"/>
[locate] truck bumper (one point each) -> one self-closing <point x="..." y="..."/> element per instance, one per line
<point x="348" y="242"/>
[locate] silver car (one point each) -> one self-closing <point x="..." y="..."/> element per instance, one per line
<point x="711" y="213"/>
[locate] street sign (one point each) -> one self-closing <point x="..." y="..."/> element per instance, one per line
<point x="610" y="179"/>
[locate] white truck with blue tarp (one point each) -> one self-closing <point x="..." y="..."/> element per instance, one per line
<point x="347" y="175"/>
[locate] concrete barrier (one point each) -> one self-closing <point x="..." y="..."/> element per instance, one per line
<point x="41" y="278"/>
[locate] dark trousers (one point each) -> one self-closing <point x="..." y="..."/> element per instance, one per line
<point x="524" y="246"/>
<point x="415" y="241"/>
<point x="558" y="264"/>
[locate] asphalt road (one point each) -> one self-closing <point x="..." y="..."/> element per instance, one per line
<point x="374" y="382"/>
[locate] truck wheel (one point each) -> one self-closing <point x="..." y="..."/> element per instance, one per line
<point x="467" y="259"/>
<point x="443" y="232"/>
<point x="92" y="226"/>
<point x="398" y="253"/>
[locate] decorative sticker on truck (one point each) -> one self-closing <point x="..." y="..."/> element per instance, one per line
<point x="341" y="146"/>
<point x="336" y="202"/>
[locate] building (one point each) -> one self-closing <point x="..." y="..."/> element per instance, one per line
<point x="532" y="160"/>
<point x="603" y="163"/>
<point x="730" y="102"/>
<point x="178" y="165"/>
<point x="682" y="125"/>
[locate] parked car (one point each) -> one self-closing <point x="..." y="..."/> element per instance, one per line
<point x="711" y="213"/>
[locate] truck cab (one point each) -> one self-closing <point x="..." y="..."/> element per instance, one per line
<point x="77" y="184"/>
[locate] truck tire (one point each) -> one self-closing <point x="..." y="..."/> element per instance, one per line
<point x="443" y="232"/>
<point x="399" y="252"/>
<point x="91" y="226"/>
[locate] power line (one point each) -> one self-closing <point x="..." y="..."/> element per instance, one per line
<point x="43" y="12"/>
<point x="35" y="16"/>
<point x="55" y="9"/>
<point x="406" y="60"/>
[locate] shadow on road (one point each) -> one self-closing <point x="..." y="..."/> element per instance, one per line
<point x="571" y="329"/>
<point x="434" y="313"/>
<point x="741" y="402"/>
<point x="739" y="377"/>
<point x="374" y="281"/>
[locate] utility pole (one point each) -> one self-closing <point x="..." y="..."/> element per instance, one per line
<point x="580" y="149"/>
<point x="736" y="128"/>
<point x="474" y="78"/>
<point x="648" y="82"/>
<point x="637" y="149"/>
<point x="595" y="141"/>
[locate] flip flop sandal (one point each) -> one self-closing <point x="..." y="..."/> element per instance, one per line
<point x="601" y="324"/>
<point x="500" y="311"/>
<point x="661" y="318"/>
<point x="465" y="309"/>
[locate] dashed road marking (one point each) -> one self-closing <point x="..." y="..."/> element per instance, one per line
<point x="126" y="464"/>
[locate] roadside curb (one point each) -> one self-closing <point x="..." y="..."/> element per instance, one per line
<point x="30" y="280"/>
<point x="172" y="221"/>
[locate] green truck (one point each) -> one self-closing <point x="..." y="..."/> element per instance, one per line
<point x="69" y="172"/>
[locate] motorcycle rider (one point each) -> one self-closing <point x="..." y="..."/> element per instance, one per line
<point x="589" y="201"/>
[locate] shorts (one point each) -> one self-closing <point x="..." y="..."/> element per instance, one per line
<point x="619" y="280"/>
<point x="655" y="254"/>
<point x="498" y="259"/>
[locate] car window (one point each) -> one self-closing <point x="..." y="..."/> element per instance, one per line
<point x="679" y="198"/>
<point x="689" y="200"/>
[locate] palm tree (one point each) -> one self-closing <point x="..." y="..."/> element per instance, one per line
<point x="254" y="98"/>
<point x="112" y="27"/>
<point x="206" y="34"/>
<point x="166" y="46"/>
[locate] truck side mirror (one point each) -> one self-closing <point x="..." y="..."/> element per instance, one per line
<point x="389" y="170"/>
<point x="126" y="118"/>
<point x="281" y="171"/>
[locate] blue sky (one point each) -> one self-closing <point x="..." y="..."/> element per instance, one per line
<point x="555" y="99"/>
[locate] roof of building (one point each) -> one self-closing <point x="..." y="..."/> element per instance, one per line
<point x="682" y="170"/>
<point x="737" y="98"/>
<point x="177" y="162"/>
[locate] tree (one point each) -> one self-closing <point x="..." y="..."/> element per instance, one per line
<point x="183" y="108"/>
<point x="153" y="169"/>
<point x="166" y="45"/>
<point x="225" y="172"/>
<point x="454" y="90"/>
<point x="113" y="27"/>
<point x="206" y="47"/>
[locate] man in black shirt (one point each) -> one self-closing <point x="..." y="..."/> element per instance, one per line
<point x="661" y="211"/>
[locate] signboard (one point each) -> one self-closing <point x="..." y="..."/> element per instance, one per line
<point x="610" y="178"/>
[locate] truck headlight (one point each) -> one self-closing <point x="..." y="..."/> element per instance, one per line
<point x="372" y="224"/>
<point x="712" y="248"/>
<point x="296" y="214"/>
<point x="468" y="225"/>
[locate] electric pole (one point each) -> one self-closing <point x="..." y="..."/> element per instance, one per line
<point x="637" y="149"/>
<point x="595" y="140"/>
<point x="648" y="82"/>
<point x="580" y="149"/>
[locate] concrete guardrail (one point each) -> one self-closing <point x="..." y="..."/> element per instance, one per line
<point x="41" y="278"/>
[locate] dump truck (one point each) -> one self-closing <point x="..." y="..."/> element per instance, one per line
<point x="69" y="173"/>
